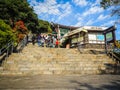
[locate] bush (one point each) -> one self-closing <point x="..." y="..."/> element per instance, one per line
<point x="117" y="43"/>
<point x="6" y="34"/>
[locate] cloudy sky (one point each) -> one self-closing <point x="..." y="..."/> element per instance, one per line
<point x="74" y="13"/>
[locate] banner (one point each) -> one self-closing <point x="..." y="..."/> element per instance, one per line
<point x="109" y="36"/>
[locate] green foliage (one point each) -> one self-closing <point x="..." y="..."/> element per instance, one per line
<point x="44" y="26"/>
<point x="112" y="3"/>
<point x="12" y="11"/>
<point x="15" y="10"/>
<point x="6" y="34"/>
<point x="107" y="3"/>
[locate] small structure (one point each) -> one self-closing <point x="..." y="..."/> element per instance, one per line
<point x="86" y="36"/>
<point x="89" y="37"/>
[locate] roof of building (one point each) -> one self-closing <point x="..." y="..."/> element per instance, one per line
<point x="78" y="30"/>
<point x="88" y="28"/>
<point x="94" y="28"/>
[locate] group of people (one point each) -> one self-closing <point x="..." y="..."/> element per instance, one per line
<point x="45" y="40"/>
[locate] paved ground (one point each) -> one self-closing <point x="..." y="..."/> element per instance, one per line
<point x="49" y="82"/>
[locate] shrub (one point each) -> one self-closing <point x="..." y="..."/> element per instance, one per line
<point x="6" y="34"/>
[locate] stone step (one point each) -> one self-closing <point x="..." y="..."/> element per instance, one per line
<point x="54" y="66"/>
<point x="58" y="62"/>
<point x="39" y="60"/>
<point x="1" y="69"/>
<point x="59" y="72"/>
<point x="53" y="56"/>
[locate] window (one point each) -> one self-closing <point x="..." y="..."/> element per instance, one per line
<point x="96" y="38"/>
<point x="92" y="36"/>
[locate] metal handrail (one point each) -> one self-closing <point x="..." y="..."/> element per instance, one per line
<point x="114" y="56"/>
<point x="6" y="49"/>
<point x="22" y="44"/>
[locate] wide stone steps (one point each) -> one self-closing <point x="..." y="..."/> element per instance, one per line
<point x="61" y="67"/>
<point x="39" y="60"/>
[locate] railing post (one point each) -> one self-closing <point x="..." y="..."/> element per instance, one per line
<point x="25" y="39"/>
<point x="12" y="47"/>
<point x="0" y="52"/>
<point x="7" y="50"/>
<point x="24" y="42"/>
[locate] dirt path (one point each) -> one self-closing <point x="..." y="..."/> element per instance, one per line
<point x="49" y="82"/>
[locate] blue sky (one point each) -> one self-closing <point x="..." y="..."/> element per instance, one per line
<point x="74" y="13"/>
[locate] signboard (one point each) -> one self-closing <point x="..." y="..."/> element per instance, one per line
<point x="109" y="36"/>
<point x="94" y="28"/>
<point x="100" y="37"/>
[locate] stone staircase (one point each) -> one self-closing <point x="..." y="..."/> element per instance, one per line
<point x="35" y="60"/>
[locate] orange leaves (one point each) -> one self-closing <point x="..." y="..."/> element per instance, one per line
<point x="20" y="37"/>
<point x="20" y="29"/>
<point x="20" y="26"/>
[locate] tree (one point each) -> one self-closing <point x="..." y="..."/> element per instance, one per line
<point x="12" y="11"/>
<point x="115" y="4"/>
<point x="6" y="34"/>
<point x="20" y="30"/>
<point x="44" y="26"/>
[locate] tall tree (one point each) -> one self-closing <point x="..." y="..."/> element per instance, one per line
<point x="114" y="4"/>
<point x="15" y="10"/>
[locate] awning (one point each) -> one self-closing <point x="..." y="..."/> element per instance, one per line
<point x="75" y="32"/>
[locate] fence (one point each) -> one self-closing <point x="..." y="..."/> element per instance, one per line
<point x="9" y="48"/>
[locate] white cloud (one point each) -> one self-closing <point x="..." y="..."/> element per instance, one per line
<point x="90" y="22"/>
<point x="109" y="23"/>
<point x="102" y="17"/>
<point x="97" y="3"/>
<point x="80" y="2"/>
<point x="46" y="7"/>
<point x="93" y="10"/>
<point x="78" y="24"/>
<point x="33" y="2"/>
<point x="88" y="17"/>
<point x="66" y="10"/>
<point x="51" y="7"/>
<point x="112" y="22"/>
<point x="80" y="20"/>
